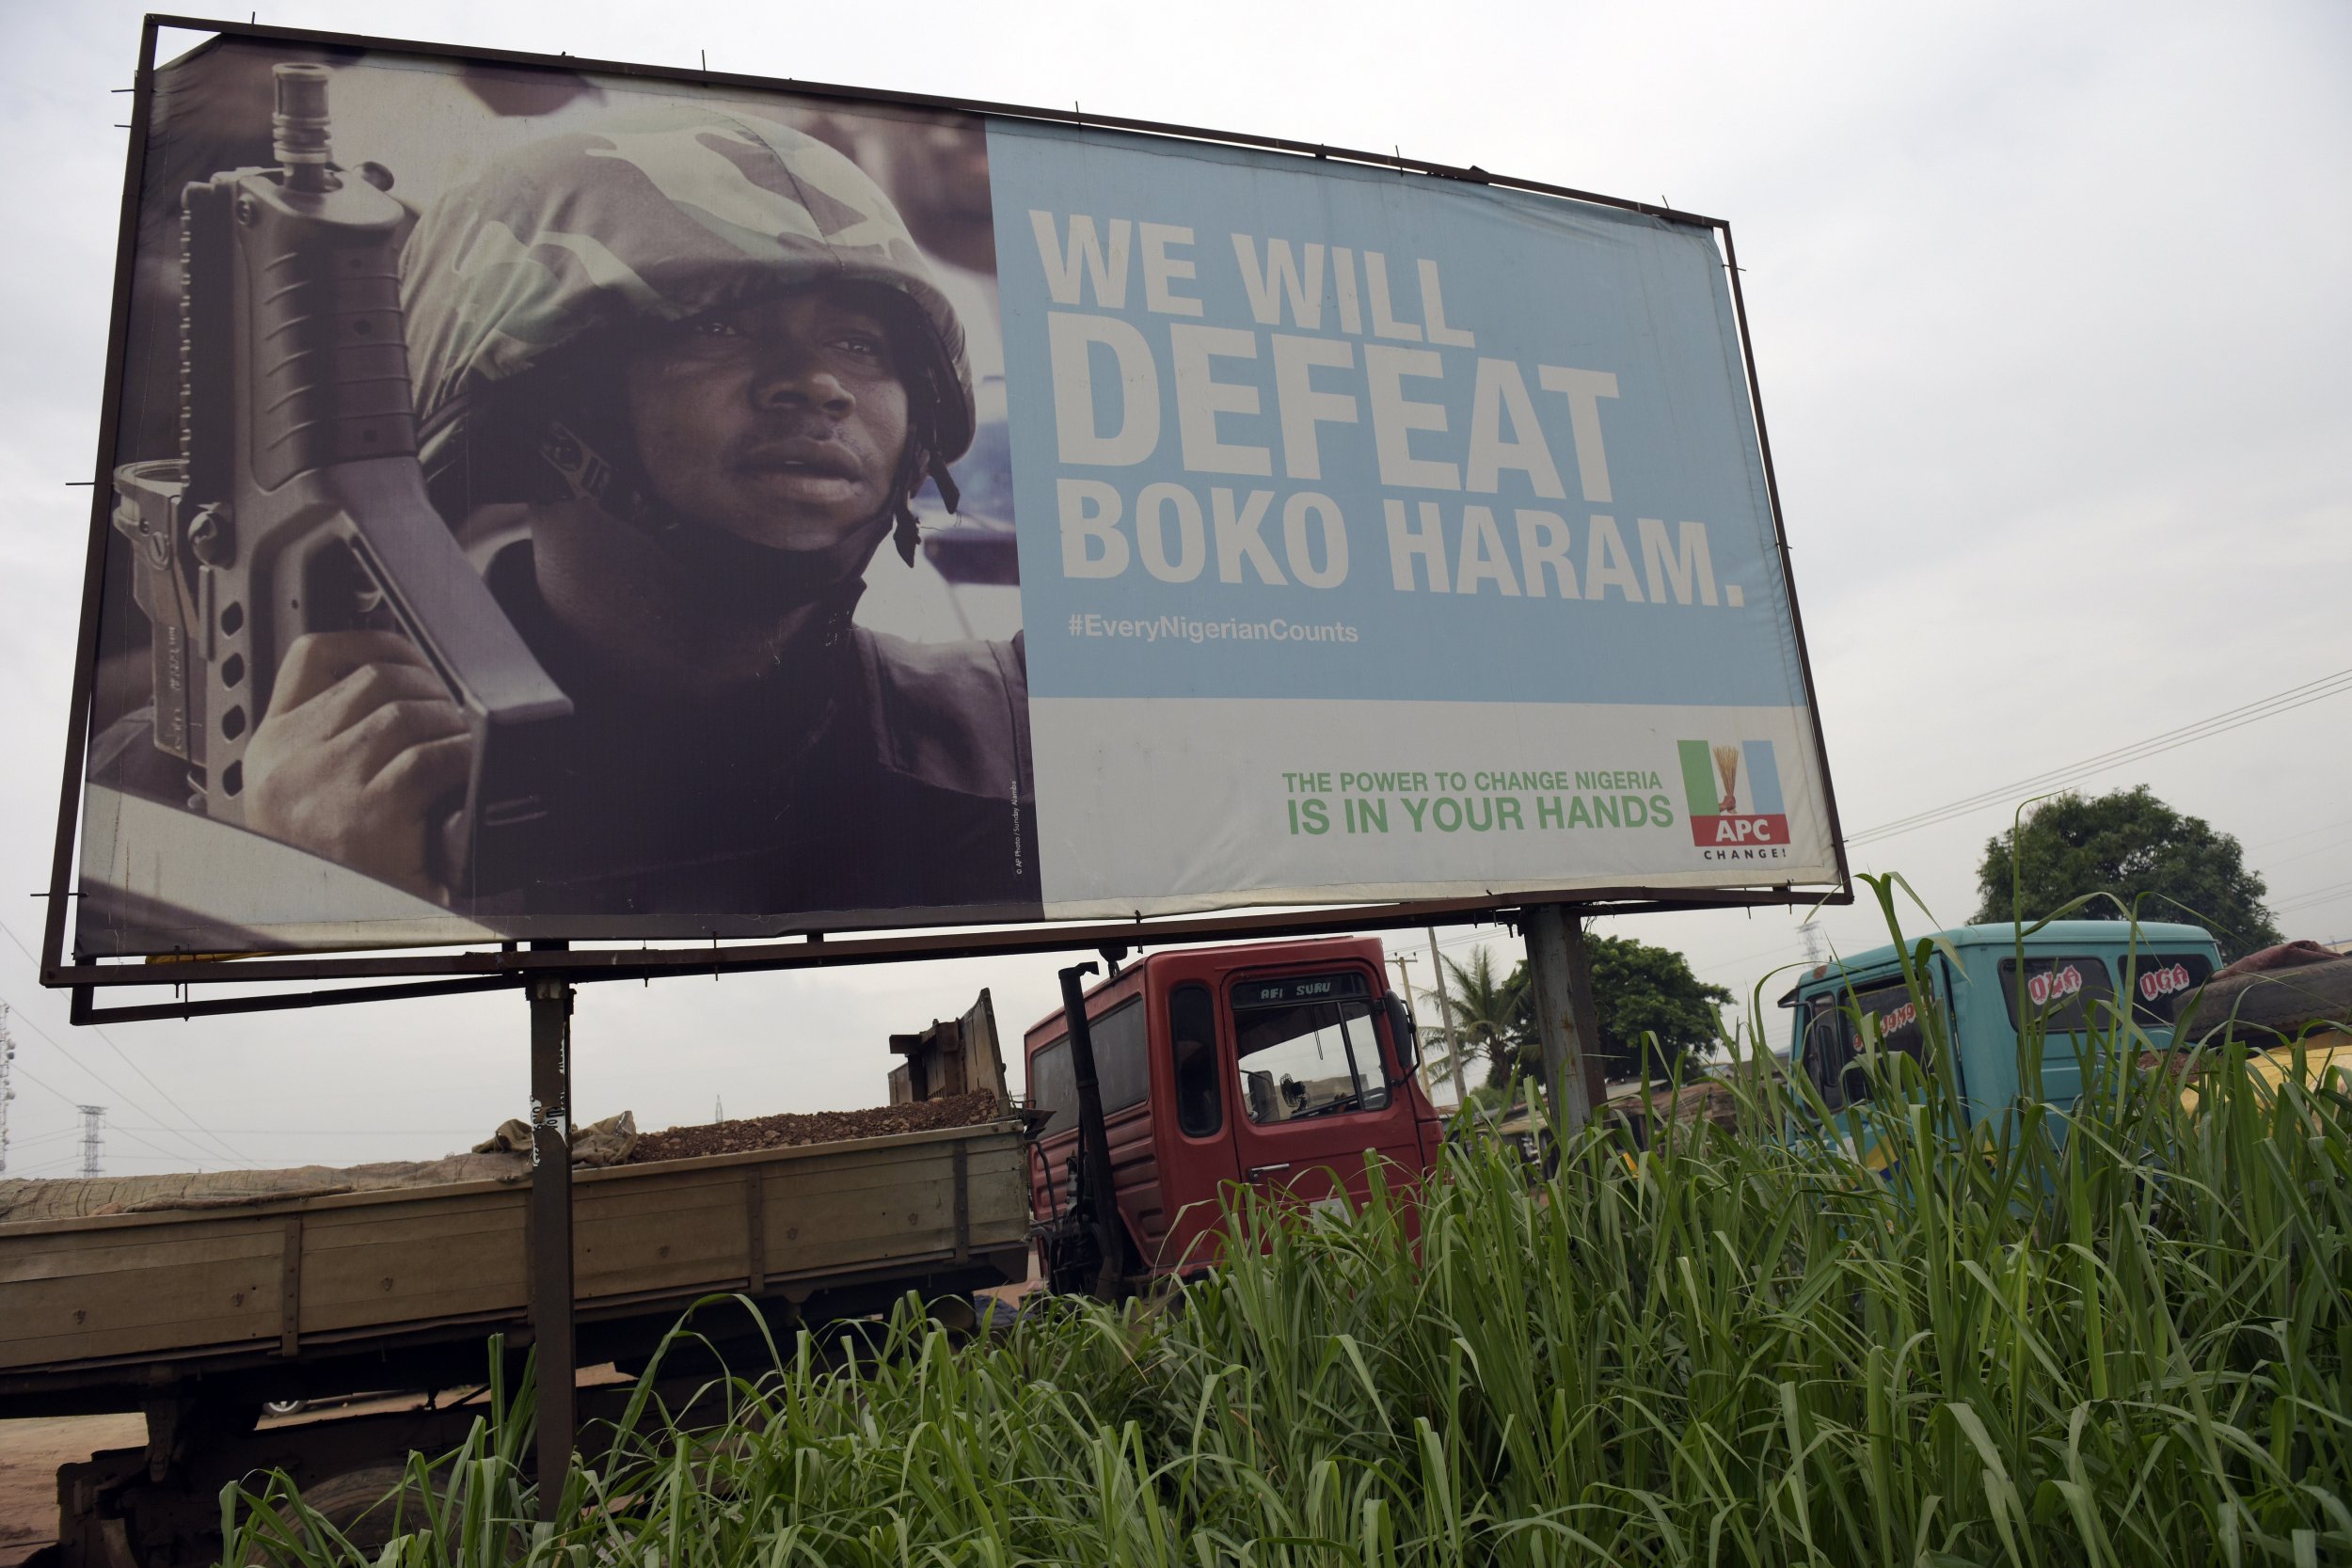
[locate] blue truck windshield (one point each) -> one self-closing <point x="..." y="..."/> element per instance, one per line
<point x="1833" y="1056"/>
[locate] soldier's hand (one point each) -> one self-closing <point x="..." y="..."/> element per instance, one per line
<point x="360" y="743"/>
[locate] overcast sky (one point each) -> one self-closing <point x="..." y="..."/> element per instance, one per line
<point x="2049" y="311"/>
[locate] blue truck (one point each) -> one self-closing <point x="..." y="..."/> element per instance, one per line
<point x="2072" y="975"/>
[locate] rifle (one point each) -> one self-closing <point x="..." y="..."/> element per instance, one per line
<point x="298" y="504"/>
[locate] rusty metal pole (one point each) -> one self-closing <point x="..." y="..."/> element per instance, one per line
<point x="1566" y="1023"/>
<point x="552" y="1234"/>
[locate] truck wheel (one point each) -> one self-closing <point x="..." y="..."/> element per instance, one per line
<point x="363" y="1504"/>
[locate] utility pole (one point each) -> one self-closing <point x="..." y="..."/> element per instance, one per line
<point x="1404" y="983"/>
<point x="91" y="1117"/>
<point x="1445" y="1011"/>
<point x="7" y="1089"/>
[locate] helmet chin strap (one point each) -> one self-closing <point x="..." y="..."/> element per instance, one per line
<point x="736" y="571"/>
<point x="908" y="533"/>
<point x="733" y="565"/>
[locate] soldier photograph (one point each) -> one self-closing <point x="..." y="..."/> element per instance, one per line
<point x="683" y="380"/>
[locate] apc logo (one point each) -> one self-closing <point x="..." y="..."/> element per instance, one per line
<point x="1733" y="794"/>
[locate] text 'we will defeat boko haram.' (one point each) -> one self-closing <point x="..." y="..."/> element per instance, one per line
<point x="1309" y="303"/>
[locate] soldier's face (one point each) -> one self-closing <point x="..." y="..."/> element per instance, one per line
<point x="783" y="423"/>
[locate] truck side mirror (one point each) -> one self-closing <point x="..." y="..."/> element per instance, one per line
<point x="1401" y="1030"/>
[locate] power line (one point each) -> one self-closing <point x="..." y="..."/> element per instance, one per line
<point x="2309" y="691"/>
<point x="30" y="1077"/>
<point x="2313" y="896"/>
<point x="197" y="1151"/>
<point x="161" y="1151"/>
<point x="2219" y="723"/>
<point x="2302" y="833"/>
<point x="186" y="1115"/>
<point x="51" y="1164"/>
<point x="43" y="1083"/>
<point x="222" y="1149"/>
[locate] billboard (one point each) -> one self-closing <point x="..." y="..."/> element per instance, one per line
<point x="552" y="502"/>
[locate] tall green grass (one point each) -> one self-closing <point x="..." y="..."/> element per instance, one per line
<point x="2115" y="1335"/>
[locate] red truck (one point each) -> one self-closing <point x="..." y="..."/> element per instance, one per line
<point x="1278" y="1065"/>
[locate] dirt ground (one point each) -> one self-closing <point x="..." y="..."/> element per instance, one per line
<point x="30" y="1452"/>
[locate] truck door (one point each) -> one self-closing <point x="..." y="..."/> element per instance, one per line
<point x="1316" y="1085"/>
<point x="1196" y="1160"/>
<point x="1837" y="1026"/>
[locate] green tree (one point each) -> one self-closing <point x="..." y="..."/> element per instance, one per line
<point x="1647" y="999"/>
<point x="1651" y="1005"/>
<point x="2132" y="847"/>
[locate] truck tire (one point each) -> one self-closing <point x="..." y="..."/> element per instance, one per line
<point x="363" y="1504"/>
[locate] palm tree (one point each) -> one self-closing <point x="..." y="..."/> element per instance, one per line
<point x="1492" y="1016"/>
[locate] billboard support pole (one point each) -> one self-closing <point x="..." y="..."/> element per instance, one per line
<point x="1566" y="1023"/>
<point x="552" y="1234"/>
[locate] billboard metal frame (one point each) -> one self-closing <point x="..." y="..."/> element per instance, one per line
<point x="513" y="965"/>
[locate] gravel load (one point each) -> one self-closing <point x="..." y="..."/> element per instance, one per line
<point x="819" y="1126"/>
<point x="2276" y="992"/>
<point x="504" y="1156"/>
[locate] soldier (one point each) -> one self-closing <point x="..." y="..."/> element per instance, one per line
<point x="676" y="380"/>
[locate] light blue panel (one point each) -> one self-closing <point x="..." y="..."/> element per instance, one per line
<point x="1538" y="282"/>
<point x="1763" y="779"/>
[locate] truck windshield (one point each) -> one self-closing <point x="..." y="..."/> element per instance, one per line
<point x="1833" y="1054"/>
<point x="1304" y="1059"/>
<point x="2056" y="992"/>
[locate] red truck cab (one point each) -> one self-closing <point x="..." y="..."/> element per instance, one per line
<point x="1279" y="1063"/>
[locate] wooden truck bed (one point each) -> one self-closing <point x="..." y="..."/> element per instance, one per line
<point x="106" y="1312"/>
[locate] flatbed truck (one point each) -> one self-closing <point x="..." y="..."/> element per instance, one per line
<point x="1278" y="1065"/>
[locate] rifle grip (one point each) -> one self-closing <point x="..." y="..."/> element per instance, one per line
<point x="327" y="376"/>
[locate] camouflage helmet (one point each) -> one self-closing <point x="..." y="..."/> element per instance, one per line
<point x="655" y="217"/>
